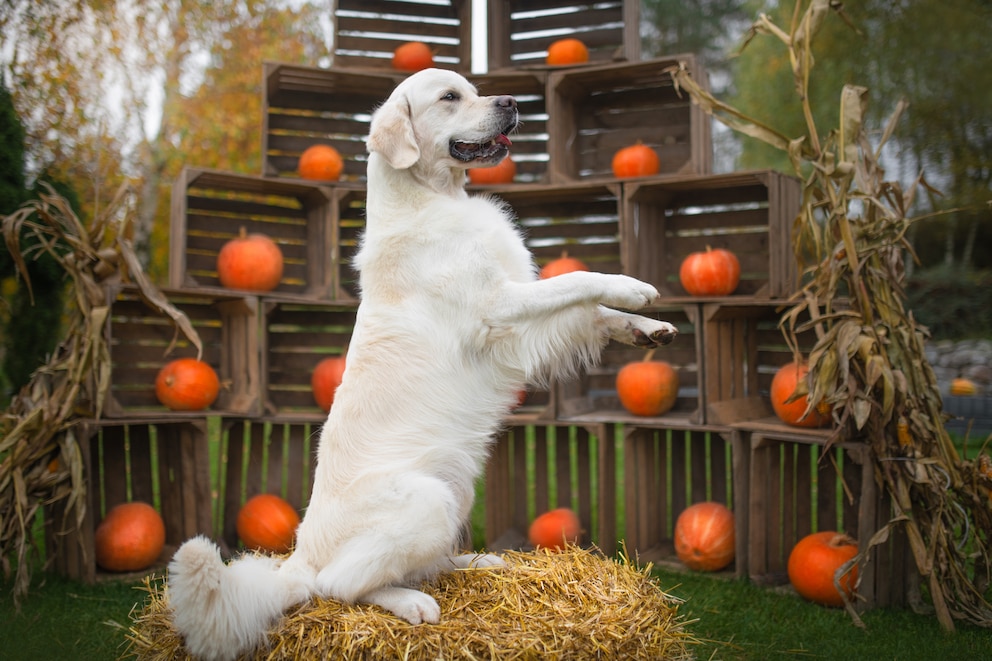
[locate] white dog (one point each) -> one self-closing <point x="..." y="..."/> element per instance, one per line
<point x="453" y="322"/>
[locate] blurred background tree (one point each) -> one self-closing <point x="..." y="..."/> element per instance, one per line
<point x="104" y="92"/>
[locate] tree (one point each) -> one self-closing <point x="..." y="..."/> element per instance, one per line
<point x="104" y="89"/>
<point x="931" y="53"/>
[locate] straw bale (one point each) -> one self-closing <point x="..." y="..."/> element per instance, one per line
<point x="575" y="604"/>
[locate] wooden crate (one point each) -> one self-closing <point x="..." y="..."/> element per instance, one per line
<point x="368" y="31"/>
<point x="530" y="141"/>
<point x="669" y="467"/>
<point x="163" y="462"/>
<point x="209" y="208"/>
<point x="138" y="339"/>
<point x="592" y="396"/>
<point x="297" y="336"/>
<point x="520" y="31"/>
<point x="535" y="468"/>
<point x="581" y="219"/>
<point x="744" y="348"/>
<point x="304" y="106"/>
<point x="272" y="455"/>
<point x="749" y="213"/>
<point x="596" y="111"/>
<point x="797" y="486"/>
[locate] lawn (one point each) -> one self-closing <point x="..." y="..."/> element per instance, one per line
<point x="733" y="619"/>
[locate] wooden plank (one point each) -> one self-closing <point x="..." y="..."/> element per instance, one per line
<point x="584" y="479"/>
<point x="542" y="482"/>
<point x="741" y="483"/>
<point x="233" y="488"/>
<point x="760" y="506"/>
<point x="607" y="492"/>
<point x="520" y="487"/>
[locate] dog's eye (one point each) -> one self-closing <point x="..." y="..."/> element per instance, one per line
<point x="450" y="96"/>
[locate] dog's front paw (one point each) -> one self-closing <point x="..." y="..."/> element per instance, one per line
<point x="629" y="293"/>
<point x="648" y="337"/>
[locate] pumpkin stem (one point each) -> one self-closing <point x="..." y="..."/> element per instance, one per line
<point x="243" y="232"/>
<point x="841" y="539"/>
<point x="649" y="355"/>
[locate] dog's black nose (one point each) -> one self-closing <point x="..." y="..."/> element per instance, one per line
<point x="506" y="101"/>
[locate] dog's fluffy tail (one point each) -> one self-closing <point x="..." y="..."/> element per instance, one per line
<point x="225" y="610"/>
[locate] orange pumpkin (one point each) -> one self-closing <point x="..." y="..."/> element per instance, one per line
<point x="267" y="523"/>
<point x="325" y="380"/>
<point x="784" y="386"/>
<point x="501" y="173"/>
<point x="648" y="387"/>
<point x="563" y="264"/>
<point x="567" y="51"/>
<point x="814" y="561"/>
<point x="130" y="537"/>
<point x="963" y="387"/>
<point x="636" y="161"/>
<point x="704" y="536"/>
<point x="710" y="273"/>
<point x="250" y="261"/>
<point x="555" y="529"/>
<point x="320" y="163"/>
<point x="413" y="56"/>
<point x="187" y="384"/>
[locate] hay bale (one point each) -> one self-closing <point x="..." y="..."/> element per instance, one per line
<point x="575" y="604"/>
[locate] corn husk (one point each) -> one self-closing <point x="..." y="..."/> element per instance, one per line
<point x="575" y="604"/>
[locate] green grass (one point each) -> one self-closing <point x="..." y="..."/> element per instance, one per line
<point x="734" y="619"/>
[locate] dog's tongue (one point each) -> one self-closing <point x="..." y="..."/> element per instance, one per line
<point x="503" y="140"/>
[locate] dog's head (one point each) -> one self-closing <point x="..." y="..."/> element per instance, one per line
<point x="436" y="120"/>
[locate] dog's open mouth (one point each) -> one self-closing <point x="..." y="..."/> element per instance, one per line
<point x="492" y="150"/>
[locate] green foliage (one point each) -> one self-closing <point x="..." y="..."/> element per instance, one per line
<point x="932" y="52"/>
<point x="952" y="303"/>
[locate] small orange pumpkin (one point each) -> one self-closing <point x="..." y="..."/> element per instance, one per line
<point x="320" y="163"/>
<point x="784" y="386"/>
<point x="555" y="529"/>
<point x="501" y="173"/>
<point x="715" y="272"/>
<point x="130" y="537"/>
<point x="814" y="561"/>
<point x="636" y="161"/>
<point x="325" y="380"/>
<point x="704" y="536"/>
<point x="648" y="387"/>
<point x="413" y="56"/>
<point x="250" y="261"/>
<point x="963" y="387"/>
<point x="567" y="51"/>
<point x="267" y="523"/>
<point x="563" y="264"/>
<point x="187" y="384"/>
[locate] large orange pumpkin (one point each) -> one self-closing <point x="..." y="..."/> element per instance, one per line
<point x="501" y="173"/>
<point x="567" y="51"/>
<point x="187" y="384"/>
<point x="710" y="273"/>
<point x="704" y="536"/>
<point x="325" y="380"/>
<point x="130" y="537"/>
<point x="413" y="56"/>
<point x="267" y="523"/>
<point x="320" y="163"/>
<point x="250" y="261"/>
<point x="635" y="161"/>
<point x="963" y="387"/>
<point x="647" y="387"/>
<point x="784" y="386"/>
<point x="814" y="561"/>
<point x="563" y="264"/>
<point x="555" y="529"/>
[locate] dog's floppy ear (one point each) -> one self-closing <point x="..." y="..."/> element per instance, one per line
<point x="391" y="134"/>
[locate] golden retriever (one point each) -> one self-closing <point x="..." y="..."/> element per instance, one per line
<point x="453" y="322"/>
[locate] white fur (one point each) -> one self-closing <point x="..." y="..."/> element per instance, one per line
<point x="453" y="322"/>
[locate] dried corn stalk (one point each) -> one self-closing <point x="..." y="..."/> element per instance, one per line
<point x="869" y="360"/>
<point x="40" y="461"/>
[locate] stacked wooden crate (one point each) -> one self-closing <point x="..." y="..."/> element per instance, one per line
<point x="560" y="447"/>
